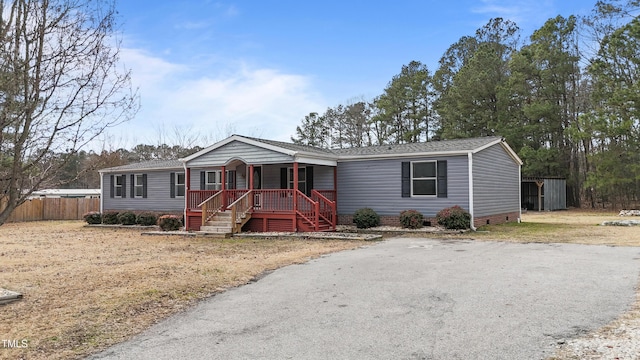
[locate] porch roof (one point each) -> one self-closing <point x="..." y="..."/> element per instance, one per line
<point x="287" y="151"/>
<point x="147" y="165"/>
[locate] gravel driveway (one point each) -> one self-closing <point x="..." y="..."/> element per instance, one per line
<point x="407" y="299"/>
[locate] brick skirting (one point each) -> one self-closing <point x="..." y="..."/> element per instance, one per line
<point x="496" y="219"/>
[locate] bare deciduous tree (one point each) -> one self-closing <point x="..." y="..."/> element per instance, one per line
<point x="61" y="85"/>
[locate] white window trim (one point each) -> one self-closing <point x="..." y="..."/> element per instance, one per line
<point x="136" y="186"/>
<point x="217" y="177"/>
<point x="178" y="185"/>
<point x="435" y="162"/>
<point x="116" y="186"/>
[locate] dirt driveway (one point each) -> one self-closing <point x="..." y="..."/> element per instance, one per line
<point x="407" y="298"/>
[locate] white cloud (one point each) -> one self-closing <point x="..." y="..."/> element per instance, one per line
<point x="250" y="100"/>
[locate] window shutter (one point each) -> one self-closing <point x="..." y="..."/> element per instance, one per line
<point x="442" y="179"/>
<point x="133" y="186"/>
<point x="124" y="186"/>
<point x="144" y="186"/>
<point x="284" y="184"/>
<point x="112" y="187"/>
<point x="172" y="185"/>
<point x="309" y="170"/>
<point x="406" y="179"/>
<point x="203" y="182"/>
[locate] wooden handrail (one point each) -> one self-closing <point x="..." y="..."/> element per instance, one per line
<point x="211" y="206"/>
<point x="239" y="210"/>
<point x="197" y="197"/>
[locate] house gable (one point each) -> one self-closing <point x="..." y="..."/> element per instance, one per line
<point x="258" y="151"/>
<point x="496" y="181"/>
<point x="238" y="150"/>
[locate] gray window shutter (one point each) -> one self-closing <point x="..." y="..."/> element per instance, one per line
<point x="172" y="185"/>
<point x="442" y="179"/>
<point x="112" y="187"/>
<point x="406" y="179"/>
<point x="309" y="170"/>
<point x="144" y="186"/>
<point x="133" y="186"/>
<point x="124" y="186"/>
<point x="203" y="183"/>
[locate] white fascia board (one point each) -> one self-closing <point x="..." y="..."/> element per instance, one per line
<point x="315" y="160"/>
<point x="512" y="153"/>
<point x="209" y="148"/>
<point x="402" y="155"/>
<point x="505" y="146"/>
<point x="116" y="171"/>
<point x="240" y="139"/>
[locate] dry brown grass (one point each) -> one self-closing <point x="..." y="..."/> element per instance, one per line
<point x="87" y="288"/>
<point x="574" y="227"/>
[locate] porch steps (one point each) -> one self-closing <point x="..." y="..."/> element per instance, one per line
<point x="220" y="223"/>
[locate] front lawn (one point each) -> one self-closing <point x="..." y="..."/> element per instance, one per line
<point x="87" y="288"/>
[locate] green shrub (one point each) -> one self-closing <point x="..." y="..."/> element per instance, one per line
<point x="411" y="219"/>
<point x="146" y="219"/>
<point x="92" y="217"/>
<point x="454" y="218"/>
<point x="127" y="218"/>
<point x="170" y="222"/>
<point x="110" y="217"/>
<point x="365" y="218"/>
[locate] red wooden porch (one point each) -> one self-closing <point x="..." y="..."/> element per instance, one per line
<point x="263" y="210"/>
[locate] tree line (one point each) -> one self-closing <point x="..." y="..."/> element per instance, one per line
<point x="566" y="99"/>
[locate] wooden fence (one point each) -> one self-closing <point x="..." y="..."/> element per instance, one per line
<point x="52" y="209"/>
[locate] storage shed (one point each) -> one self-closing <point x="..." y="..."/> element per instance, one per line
<point x="544" y="194"/>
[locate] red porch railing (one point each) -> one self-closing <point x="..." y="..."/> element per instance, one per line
<point x="328" y="194"/>
<point x="314" y="210"/>
<point x="326" y="207"/>
<point x="273" y="200"/>
<point x="308" y="210"/>
<point x="235" y="194"/>
<point x="196" y="197"/>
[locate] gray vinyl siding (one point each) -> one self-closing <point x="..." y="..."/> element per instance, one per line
<point x="496" y="182"/>
<point x="158" y="193"/>
<point x="238" y="150"/>
<point x="378" y="184"/>
<point x="323" y="177"/>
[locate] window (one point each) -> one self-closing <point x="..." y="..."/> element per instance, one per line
<point x="213" y="180"/>
<point x="118" y="186"/>
<point x="176" y="186"/>
<point x="424" y="178"/>
<point x="179" y="184"/>
<point x="302" y="179"/>
<point x="138" y="185"/>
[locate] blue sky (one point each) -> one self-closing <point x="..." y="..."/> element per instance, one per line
<point x="256" y="68"/>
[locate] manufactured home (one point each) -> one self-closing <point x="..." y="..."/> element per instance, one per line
<point x="248" y="184"/>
